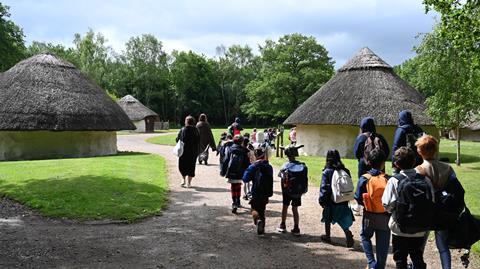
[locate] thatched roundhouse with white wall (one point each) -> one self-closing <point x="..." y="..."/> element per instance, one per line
<point x="471" y="132"/>
<point x="365" y="86"/>
<point x="141" y="116"/>
<point x="49" y="109"/>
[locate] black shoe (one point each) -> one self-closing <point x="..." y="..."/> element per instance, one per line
<point x="200" y="162"/>
<point x="295" y="231"/>
<point x="206" y="162"/>
<point x="245" y="197"/>
<point x="349" y="237"/>
<point x="260" y="227"/>
<point x="326" y="238"/>
<point x="234" y="208"/>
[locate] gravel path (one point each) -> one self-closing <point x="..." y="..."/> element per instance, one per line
<point x="196" y="230"/>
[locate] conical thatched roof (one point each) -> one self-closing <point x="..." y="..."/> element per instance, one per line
<point x="135" y="110"/>
<point x="44" y="92"/>
<point x="365" y="86"/>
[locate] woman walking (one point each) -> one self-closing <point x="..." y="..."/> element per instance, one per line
<point x="206" y="139"/>
<point x="186" y="163"/>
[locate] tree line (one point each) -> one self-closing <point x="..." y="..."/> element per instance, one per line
<point x="262" y="88"/>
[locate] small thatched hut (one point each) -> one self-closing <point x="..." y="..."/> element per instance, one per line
<point x="49" y="109"/>
<point x="470" y="132"/>
<point x="143" y="117"/>
<point x="365" y="86"/>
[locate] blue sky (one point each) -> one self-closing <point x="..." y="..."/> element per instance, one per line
<point x="387" y="27"/>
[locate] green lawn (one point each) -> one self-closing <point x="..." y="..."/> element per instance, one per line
<point x="468" y="173"/>
<point x="170" y="139"/>
<point x="127" y="187"/>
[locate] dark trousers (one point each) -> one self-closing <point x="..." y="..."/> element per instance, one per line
<point x="259" y="205"/>
<point x="404" y="246"/>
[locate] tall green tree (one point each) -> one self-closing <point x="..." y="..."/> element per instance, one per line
<point x="292" y="69"/>
<point x="12" y="45"/>
<point x="459" y="28"/>
<point x="93" y="56"/>
<point x="460" y="25"/>
<point x="195" y="86"/>
<point x="147" y="71"/>
<point x="235" y="68"/>
<point x="448" y="78"/>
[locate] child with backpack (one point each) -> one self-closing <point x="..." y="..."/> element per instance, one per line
<point x="336" y="190"/>
<point x="234" y="165"/>
<point x="225" y="142"/>
<point x="406" y="135"/>
<point x="408" y="196"/>
<point x="370" y="189"/>
<point x="294" y="181"/>
<point x="249" y="147"/>
<point x="260" y="173"/>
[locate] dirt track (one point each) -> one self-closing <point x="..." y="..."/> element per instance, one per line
<point x="196" y="230"/>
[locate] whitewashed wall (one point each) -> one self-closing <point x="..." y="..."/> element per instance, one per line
<point x="318" y="139"/>
<point x="27" y="145"/>
<point x="140" y="126"/>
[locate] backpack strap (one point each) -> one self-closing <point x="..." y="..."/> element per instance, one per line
<point x="367" y="176"/>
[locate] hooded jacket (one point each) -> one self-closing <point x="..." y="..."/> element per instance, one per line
<point x="405" y="126"/>
<point x="367" y="125"/>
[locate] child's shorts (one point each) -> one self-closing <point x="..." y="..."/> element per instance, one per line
<point x="287" y="199"/>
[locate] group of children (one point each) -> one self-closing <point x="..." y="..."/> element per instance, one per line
<point x="400" y="207"/>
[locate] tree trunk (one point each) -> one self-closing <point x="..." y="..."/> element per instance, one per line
<point x="458" y="146"/>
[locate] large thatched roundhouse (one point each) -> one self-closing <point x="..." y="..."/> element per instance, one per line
<point x="365" y="86"/>
<point x="49" y="109"/>
<point x="143" y="117"/>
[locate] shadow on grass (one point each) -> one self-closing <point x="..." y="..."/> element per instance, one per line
<point x="464" y="158"/>
<point x="89" y="197"/>
<point x="131" y="153"/>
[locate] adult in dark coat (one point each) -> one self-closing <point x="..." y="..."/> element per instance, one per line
<point x="206" y="139"/>
<point x="191" y="138"/>
<point x="367" y="126"/>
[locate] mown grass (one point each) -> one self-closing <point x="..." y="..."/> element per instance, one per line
<point x="468" y="173"/>
<point x="128" y="186"/>
<point x="169" y="139"/>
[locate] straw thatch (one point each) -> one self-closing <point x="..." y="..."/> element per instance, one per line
<point x="135" y="110"/>
<point x="47" y="93"/>
<point x="365" y="86"/>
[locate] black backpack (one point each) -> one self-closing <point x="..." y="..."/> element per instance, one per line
<point x="414" y="208"/>
<point x="449" y="204"/>
<point x="295" y="179"/>
<point x="465" y="232"/>
<point x="236" y="163"/>
<point x="373" y="141"/>
<point x="262" y="182"/>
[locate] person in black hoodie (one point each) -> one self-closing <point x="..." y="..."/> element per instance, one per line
<point x="186" y="163"/>
<point x="367" y="126"/>
<point x="407" y="127"/>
